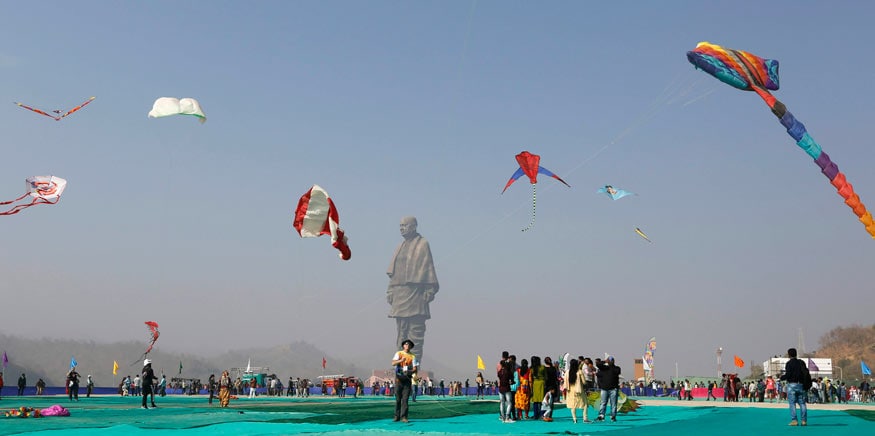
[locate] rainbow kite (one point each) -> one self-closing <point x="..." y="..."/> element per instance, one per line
<point x="749" y="72"/>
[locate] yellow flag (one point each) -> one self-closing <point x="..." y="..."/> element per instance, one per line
<point x="114" y="367"/>
<point x="480" y="364"/>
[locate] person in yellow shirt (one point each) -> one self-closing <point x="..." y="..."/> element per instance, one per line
<point x="406" y="366"/>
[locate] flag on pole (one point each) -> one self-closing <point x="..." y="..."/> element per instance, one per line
<point x="249" y="365"/>
<point x="646" y="365"/>
<point x="480" y="364"/>
<point x="5" y="360"/>
<point x="738" y="362"/>
<point x="114" y="367"/>
<point x="180" y="367"/>
<point x="812" y="366"/>
<point x="865" y="369"/>
<point x="73" y="362"/>
<point x="323" y="363"/>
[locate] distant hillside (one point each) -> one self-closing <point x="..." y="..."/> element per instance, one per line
<point x="848" y="346"/>
<point x="49" y="359"/>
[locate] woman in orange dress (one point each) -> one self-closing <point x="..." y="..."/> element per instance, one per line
<point x="523" y="396"/>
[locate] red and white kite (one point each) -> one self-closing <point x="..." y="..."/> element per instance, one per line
<point x="43" y="189"/>
<point x="316" y="216"/>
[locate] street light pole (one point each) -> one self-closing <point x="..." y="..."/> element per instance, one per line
<point x="841" y="373"/>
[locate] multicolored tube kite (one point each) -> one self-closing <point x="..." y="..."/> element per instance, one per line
<point x="749" y="72"/>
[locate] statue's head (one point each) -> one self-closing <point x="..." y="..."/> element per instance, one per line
<point x="408" y="226"/>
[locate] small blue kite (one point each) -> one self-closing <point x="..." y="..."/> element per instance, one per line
<point x="614" y="193"/>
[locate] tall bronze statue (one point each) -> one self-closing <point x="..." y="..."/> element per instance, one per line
<point x="412" y="285"/>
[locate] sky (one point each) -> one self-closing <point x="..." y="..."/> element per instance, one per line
<point x="418" y="108"/>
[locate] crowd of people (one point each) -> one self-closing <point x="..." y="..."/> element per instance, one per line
<point x="527" y="389"/>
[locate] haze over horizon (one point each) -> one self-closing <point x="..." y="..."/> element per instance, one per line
<point x="399" y="109"/>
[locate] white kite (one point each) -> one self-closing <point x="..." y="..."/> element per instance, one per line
<point x="167" y="106"/>
<point x="43" y="189"/>
<point x="316" y="216"/>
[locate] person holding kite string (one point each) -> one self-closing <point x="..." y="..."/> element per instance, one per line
<point x="148" y="381"/>
<point x="406" y="365"/>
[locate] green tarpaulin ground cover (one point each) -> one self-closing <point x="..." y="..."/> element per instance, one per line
<point x="113" y="415"/>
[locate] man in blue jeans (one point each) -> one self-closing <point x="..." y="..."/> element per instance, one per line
<point x="796" y="374"/>
<point x="609" y="383"/>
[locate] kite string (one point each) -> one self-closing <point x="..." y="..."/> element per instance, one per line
<point x="672" y="92"/>
<point x="462" y="60"/>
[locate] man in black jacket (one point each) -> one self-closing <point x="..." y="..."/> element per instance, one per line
<point x="148" y="381"/>
<point x="22" y="382"/>
<point x="796" y="373"/>
<point x="609" y="383"/>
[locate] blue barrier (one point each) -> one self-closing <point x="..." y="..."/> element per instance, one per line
<point x="12" y="391"/>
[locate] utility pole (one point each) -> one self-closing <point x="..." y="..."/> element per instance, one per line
<point x="719" y="362"/>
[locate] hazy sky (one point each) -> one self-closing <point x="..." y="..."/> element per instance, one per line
<point x="418" y="108"/>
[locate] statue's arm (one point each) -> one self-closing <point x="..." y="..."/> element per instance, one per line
<point x="430" y="291"/>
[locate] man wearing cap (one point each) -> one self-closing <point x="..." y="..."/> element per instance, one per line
<point x="73" y="384"/>
<point x="148" y="380"/>
<point x="412" y="285"/>
<point x="406" y="365"/>
<point x="609" y="382"/>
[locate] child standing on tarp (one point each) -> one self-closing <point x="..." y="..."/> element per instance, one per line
<point x="551" y="387"/>
<point x="547" y="406"/>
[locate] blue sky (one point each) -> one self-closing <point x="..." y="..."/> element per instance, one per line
<point x="418" y="108"/>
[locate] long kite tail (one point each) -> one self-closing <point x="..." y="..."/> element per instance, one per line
<point x="534" y="200"/>
<point x="13" y="201"/>
<point x="19" y="207"/>
<point x="829" y="169"/>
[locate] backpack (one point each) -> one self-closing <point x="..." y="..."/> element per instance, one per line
<point x="806" y="378"/>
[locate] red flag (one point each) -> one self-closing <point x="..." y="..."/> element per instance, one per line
<point x="323" y="363"/>
<point x="738" y="362"/>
